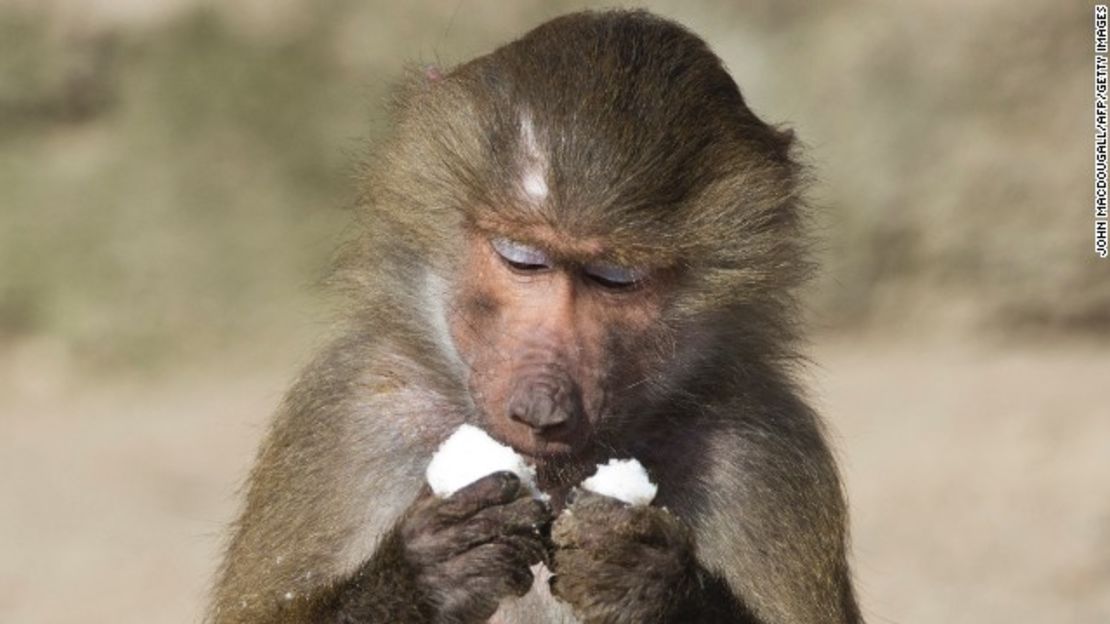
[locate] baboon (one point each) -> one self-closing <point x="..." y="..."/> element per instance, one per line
<point x="585" y="243"/>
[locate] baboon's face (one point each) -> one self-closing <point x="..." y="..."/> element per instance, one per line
<point x="556" y="336"/>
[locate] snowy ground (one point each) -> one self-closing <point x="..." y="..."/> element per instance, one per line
<point x="979" y="480"/>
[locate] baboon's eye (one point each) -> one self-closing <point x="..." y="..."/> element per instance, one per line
<point x="615" y="276"/>
<point x="520" y="256"/>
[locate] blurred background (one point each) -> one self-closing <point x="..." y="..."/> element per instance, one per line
<point x="175" y="176"/>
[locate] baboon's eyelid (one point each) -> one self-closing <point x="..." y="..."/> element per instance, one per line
<point x="518" y="254"/>
<point x="615" y="274"/>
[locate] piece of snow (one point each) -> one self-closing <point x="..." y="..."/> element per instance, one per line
<point x="470" y="454"/>
<point x="622" y="479"/>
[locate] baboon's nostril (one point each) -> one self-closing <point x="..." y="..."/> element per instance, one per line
<point x="541" y="407"/>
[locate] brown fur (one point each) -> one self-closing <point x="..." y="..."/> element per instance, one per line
<point x="651" y="153"/>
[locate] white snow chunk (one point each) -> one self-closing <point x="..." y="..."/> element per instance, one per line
<point x="622" y="479"/>
<point x="470" y="454"/>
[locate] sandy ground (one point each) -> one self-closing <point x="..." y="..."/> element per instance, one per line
<point x="979" y="480"/>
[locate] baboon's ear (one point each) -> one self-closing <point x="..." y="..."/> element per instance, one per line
<point x="415" y="81"/>
<point x="786" y="136"/>
<point x="782" y="142"/>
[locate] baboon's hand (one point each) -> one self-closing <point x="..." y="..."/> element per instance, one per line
<point x="475" y="547"/>
<point x="614" y="563"/>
